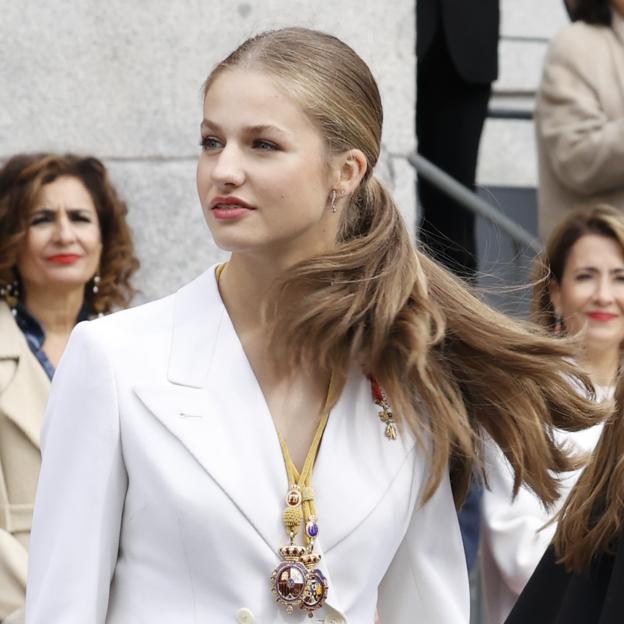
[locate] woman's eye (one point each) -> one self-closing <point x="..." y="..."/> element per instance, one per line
<point x="40" y="218"/>
<point x="582" y="277"/>
<point x="210" y="143"/>
<point x="261" y="144"/>
<point x="81" y="218"/>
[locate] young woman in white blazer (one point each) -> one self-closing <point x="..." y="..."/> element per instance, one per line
<point x="579" y="291"/>
<point x="177" y="482"/>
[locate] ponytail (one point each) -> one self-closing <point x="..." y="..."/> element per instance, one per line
<point x="452" y="367"/>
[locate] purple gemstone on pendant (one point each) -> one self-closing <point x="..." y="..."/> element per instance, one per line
<point x="312" y="529"/>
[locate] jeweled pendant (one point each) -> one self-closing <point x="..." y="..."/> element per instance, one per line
<point x="391" y="431"/>
<point x="288" y="583"/>
<point x="314" y="592"/>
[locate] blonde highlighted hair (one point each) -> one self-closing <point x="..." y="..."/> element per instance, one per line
<point x="593" y="514"/>
<point x="452" y="367"/>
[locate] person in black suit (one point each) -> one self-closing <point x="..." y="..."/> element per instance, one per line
<point x="456" y="48"/>
<point x="457" y="53"/>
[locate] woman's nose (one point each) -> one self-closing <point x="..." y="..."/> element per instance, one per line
<point x="64" y="231"/>
<point x="604" y="291"/>
<point x="228" y="168"/>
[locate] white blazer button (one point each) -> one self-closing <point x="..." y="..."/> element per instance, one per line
<point x="245" y="616"/>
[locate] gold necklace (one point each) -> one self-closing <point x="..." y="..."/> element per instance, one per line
<point x="297" y="582"/>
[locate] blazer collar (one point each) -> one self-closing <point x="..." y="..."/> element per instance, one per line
<point x="24" y="398"/>
<point x="216" y="408"/>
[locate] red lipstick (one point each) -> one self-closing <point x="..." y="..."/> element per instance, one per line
<point x="229" y="207"/>
<point x="602" y="316"/>
<point x="63" y="258"/>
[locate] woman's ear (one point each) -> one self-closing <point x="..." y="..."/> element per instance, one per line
<point x="352" y="167"/>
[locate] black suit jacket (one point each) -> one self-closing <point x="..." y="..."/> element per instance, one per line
<point x="471" y="32"/>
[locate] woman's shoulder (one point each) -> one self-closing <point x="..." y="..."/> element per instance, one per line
<point x="577" y="38"/>
<point x="151" y="320"/>
<point x="555" y="595"/>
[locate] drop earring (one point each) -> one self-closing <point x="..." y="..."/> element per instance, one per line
<point x="95" y="289"/>
<point x="10" y="294"/>
<point x="333" y="196"/>
<point x="558" y="325"/>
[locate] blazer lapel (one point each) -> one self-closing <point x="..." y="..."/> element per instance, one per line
<point x="24" y="398"/>
<point x="215" y="407"/>
<point x="356" y="463"/>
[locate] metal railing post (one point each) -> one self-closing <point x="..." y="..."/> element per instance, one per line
<point x="472" y="201"/>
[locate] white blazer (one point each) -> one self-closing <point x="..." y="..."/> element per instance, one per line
<point x="516" y="532"/>
<point x="163" y="484"/>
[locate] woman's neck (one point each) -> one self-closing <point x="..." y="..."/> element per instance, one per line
<point x="601" y="364"/>
<point x="56" y="310"/>
<point x="244" y="284"/>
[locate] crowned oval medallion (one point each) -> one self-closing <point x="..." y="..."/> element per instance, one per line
<point x="288" y="582"/>
<point x="315" y="591"/>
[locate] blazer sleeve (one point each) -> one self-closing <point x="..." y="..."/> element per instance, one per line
<point x="13" y="564"/>
<point x="427" y="580"/>
<point x="584" y="146"/>
<point x="512" y="529"/>
<point x="81" y="491"/>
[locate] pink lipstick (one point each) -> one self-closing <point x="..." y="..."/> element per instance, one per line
<point x="227" y="208"/>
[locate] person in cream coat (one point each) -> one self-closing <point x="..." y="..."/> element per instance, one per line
<point x="251" y="448"/>
<point x="59" y="217"/>
<point x="24" y="390"/>
<point x="579" y="114"/>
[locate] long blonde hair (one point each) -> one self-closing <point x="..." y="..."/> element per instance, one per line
<point x="593" y="514"/>
<point x="452" y="367"/>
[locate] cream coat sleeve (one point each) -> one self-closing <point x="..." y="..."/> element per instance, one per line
<point x="512" y="530"/>
<point x="13" y="555"/>
<point x="13" y="563"/>
<point x="80" y="497"/>
<point x="583" y="140"/>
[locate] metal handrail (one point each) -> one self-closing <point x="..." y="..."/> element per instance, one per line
<point x="471" y="201"/>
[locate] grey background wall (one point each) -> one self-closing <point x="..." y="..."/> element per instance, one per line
<point x="122" y="80"/>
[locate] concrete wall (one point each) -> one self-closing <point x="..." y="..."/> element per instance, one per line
<point x="122" y="80"/>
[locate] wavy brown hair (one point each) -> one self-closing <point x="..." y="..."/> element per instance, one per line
<point x="452" y="367"/>
<point x="21" y="181"/>
<point x="593" y="514"/>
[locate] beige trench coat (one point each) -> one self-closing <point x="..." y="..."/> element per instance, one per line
<point x="579" y="121"/>
<point x="24" y="388"/>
